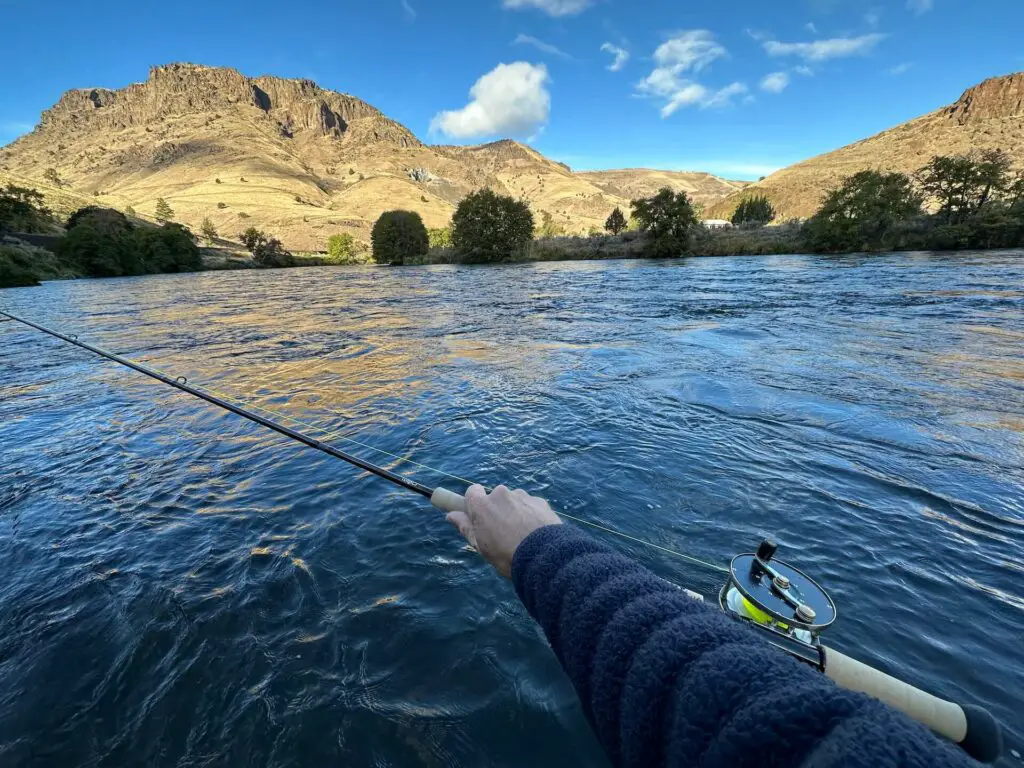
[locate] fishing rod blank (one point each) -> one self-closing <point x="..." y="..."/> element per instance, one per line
<point x="791" y="623"/>
<point x="440" y="497"/>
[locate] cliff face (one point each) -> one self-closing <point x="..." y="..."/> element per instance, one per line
<point x="288" y="156"/>
<point x="989" y="115"/>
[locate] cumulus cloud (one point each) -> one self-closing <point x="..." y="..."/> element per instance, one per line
<point x="920" y="6"/>
<point x="511" y="99"/>
<point x="776" y="82"/>
<point x="554" y="8"/>
<point x="540" y="45"/>
<point x="690" y="51"/>
<point x="621" y="56"/>
<point x="805" y="71"/>
<point x="823" y="50"/>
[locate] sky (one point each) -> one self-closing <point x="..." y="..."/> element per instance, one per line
<point x="738" y="88"/>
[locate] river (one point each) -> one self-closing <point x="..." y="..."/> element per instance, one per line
<point x="184" y="588"/>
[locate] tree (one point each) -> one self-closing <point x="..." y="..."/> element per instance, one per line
<point x="861" y="210"/>
<point x="616" y="222"/>
<point x="963" y="184"/>
<point x="440" y="238"/>
<point x="399" y="235"/>
<point x="51" y="175"/>
<point x="489" y="227"/>
<point x="548" y="227"/>
<point x="209" y="231"/>
<point x="754" y="211"/>
<point x="163" y="212"/>
<point x="22" y="210"/>
<point x="341" y="248"/>
<point x="668" y="219"/>
<point x="270" y="253"/>
<point x="129" y="211"/>
<point x="252" y="238"/>
<point x="171" y="248"/>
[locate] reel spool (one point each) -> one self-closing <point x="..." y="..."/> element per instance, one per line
<point x="781" y="601"/>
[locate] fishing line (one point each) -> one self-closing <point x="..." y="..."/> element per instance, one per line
<point x="224" y="400"/>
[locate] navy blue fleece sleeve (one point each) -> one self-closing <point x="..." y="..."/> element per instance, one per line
<point x="667" y="681"/>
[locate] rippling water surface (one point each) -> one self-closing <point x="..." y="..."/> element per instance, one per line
<point x="183" y="588"/>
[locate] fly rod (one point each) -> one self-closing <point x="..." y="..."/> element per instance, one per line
<point x="788" y="607"/>
<point x="439" y="497"/>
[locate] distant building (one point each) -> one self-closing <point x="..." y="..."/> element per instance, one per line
<point x="717" y="224"/>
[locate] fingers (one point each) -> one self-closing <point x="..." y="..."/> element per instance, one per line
<point x="475" y="496"/>
<point x="461" y="521"/>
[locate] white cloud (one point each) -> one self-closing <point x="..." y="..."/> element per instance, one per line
<point x="901" y="69"/>
<point x="621" y="56"/>
<point x="811" y="27"/>
<point x="690" y="51"/>
<point x="511" y="99"/>
<point x="872" y="19"/>
<point x="554" y="8"/>
<point x="776" y="82"/>
<point x="823" y="50"/>
<point x="410" y="12"/>
<point x="805" y="71"/>
<point x="540" y="45"/>
<point x="920" y="6"/>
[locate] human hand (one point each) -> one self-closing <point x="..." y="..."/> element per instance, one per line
<point x="494" y="524"/>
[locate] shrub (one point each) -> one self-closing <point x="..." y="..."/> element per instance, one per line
<point x="548" y="227"/>
<point x="341" y="249"/>
<point x="171" y="248"/>
<point x="243" y="215"/>
<point x="490" y="227"/>
<point x="51" y="175"/>
<point x="16" y="267"/>
<point x="222" y="206"/>
<point x="251" y="238"/>
<point x="271" y="253"/>
<point x="399" y="235"/>
<point x="753" y="211"/>
<point x="440" y="238"/>
<point x="129" y="211"/>
<point x="163" y="212"/>
<point x="616" y="222"/>
<point x="218" y="181"/>
<point x="668" y="219"/>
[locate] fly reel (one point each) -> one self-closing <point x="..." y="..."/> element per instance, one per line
<point x="784" y="603"/>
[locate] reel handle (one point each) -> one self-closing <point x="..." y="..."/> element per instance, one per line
<point x="449" y="501"/>
<point x="973" y="728"/>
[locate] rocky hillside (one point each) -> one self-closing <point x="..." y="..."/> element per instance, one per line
<point x="290" y="157"/>
<point x="987" y="116"/>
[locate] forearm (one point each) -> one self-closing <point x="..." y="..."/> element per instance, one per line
<point x="666" y="680"/>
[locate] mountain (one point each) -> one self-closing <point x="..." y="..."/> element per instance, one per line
<point x="988" y="116"/>
<point x="297" y="160"/>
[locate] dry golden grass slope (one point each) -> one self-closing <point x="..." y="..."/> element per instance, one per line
<point x="987" y="116"/>
<point x="294" y="159"/>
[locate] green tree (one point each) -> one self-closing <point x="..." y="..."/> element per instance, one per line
<point x="252" y="238"/>
<point x="858" y="213"/>
<point x="398" y="235"/>
<point x="129" y="211"/>
<point x="756" y="210"/>
<point x="270" y="253"/>
<point x="209" y="231"/>
<point x="489" y="227"/>
<point x="51" y="175"/>
<point x="100" y="243"/>
<point x="170" y="248"/>
<point x="963" y="184"/>
<point x="616" y="222"/>
<point x="548" y="227"/>
<point x="440" y="238"/>
<point x="22" y="210"/>
<point x="341" y="248"/>
<point x="668" y="219"/>
<point x="163" y="212"/>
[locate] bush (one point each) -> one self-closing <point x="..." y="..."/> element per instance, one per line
<point x="548" y="227"/>
<point x="341" y="249"/>
<point x="489" y="227"/>
<point x="222" y="206"/>
<point x="272" y="254"/>
<point x="397" y="236"/>
<point x="668" y="219"/>
<point x="16" y="267"/>
<point x="171" y="248"/>
<point x="209" y="231"/>
<point x="440" y="238"/>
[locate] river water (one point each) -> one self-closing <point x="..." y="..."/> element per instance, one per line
<point x="184" y="588"/>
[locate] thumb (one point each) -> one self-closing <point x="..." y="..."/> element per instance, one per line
<point x="461" y="521"/>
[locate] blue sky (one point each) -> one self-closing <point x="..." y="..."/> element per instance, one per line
<point x="735" y="87"/>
